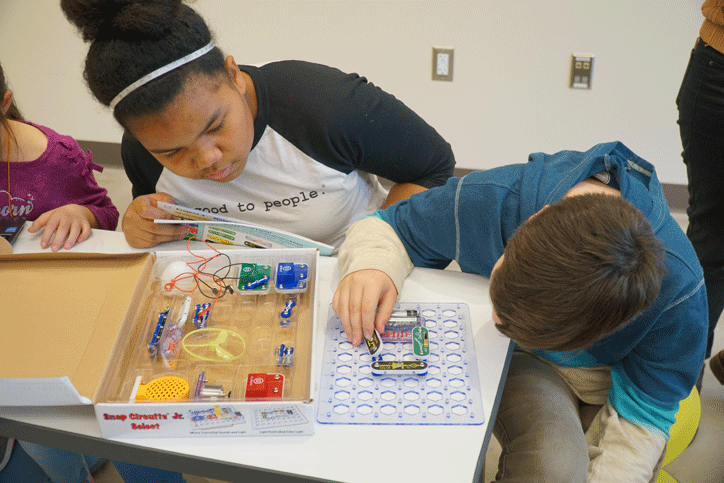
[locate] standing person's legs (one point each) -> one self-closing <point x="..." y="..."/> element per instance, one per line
<point x="59" y="465"/>
<point x="538" y="426"/>
<point x="16" y="465"/>
<point x="132" y="473"/>
<point x="701" y="124"/>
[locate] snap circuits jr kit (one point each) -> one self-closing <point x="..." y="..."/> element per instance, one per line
<point x="221" y="345"/>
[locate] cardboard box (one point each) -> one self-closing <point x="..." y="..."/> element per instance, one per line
<point x="78" y="326"/>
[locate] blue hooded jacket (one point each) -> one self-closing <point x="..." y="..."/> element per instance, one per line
<point x="656" y="359"/>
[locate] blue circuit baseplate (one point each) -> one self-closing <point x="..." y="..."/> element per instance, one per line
<point x="448" y="394"/>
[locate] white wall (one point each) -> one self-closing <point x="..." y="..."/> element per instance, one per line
<point x="510" y="94"/>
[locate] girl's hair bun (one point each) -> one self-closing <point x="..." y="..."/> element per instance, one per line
<point x="132" y="38"/>
<point x="125" y="19"/>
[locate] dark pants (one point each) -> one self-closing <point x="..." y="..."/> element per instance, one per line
<point x="141" y="474"/>
<point x="701" y="124"/>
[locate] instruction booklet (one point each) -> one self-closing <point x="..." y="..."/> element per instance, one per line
<point x="221" y="229"/>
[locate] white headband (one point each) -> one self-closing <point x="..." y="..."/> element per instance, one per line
<point x="160" y="71"/>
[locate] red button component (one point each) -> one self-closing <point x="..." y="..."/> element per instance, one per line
<point x="260" y="385"/>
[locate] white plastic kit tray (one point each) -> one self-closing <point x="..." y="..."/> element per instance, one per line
<point x="449" y="394"/>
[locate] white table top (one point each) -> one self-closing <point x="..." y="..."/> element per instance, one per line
<point x="337" y="452"/>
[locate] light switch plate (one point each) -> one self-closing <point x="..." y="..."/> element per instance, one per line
<point x="581" y="70"/>
<point x="442" y="63"/>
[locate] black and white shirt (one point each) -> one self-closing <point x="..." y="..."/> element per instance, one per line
<point x="321" y="138"/>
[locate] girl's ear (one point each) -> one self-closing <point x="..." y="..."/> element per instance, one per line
<point x="7" y="101"/>
<point x="235" y="74"/>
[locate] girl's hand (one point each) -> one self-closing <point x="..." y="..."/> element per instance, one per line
<point x="65" y="226"/>
<point x="138" y="226"/>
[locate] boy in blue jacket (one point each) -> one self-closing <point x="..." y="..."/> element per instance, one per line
<point x="589" y="275"/>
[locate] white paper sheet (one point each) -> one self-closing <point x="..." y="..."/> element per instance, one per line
<point x="46" y="391"/>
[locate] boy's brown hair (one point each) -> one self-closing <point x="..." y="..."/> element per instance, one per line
<point x="577" y="271"/>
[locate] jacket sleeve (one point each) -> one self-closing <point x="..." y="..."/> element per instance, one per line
<point x="372" y="244"/>
<point x="419" y="231"/>
<point x="468" y="220"/>
<point x="620" y="450"/>
<point x="426" y="225"/>
<point x="629" y="435"/>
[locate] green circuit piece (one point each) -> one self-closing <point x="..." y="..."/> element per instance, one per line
<point x="250" y="275"/>
<point x="420" y="342"/>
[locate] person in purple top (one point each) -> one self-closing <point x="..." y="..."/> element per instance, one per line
<point x="48" y="179"/>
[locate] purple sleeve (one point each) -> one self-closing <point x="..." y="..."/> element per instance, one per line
<point x="96" y="198"/>
<point x="62" y="175"/>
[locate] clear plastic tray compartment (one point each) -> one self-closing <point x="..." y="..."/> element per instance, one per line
<point x="244" y="272"/>
<point x="212" y="335"/>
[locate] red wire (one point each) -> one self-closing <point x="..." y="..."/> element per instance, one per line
<point x="196" y="273"/>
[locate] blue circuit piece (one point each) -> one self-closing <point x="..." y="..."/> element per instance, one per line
<point x="288" y="358"/>
<point x="156" y="337"/>
<point x="286" y="313"/>
<point x="256" y="283"/>
<point x="291" y="276"/>
<point x="284" y="355"/>
<point x="201" y="316"/>
<point x="279" y="354"/>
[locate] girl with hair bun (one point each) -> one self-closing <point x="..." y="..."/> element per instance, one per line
<point x="290" y="144"/>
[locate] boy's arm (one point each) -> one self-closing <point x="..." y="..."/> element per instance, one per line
<point x="379" y="252"/>
<point x="620" y="450"/>
<point x="427" y="225"/>
<point x="372" y="244"/>
<point x="420" y="231"/>
<point x="629" y="435"/>
<point x="373" y="265"/>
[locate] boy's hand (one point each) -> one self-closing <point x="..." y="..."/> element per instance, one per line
<point x="138" y="225"/>
<point x="65" y="226"/>
<point x="364" y="301"/>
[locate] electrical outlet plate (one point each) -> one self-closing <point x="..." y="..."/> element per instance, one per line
<point x="581" y="70"/>
<point x="442" y="63"/>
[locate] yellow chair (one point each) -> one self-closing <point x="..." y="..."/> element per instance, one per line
<point x="682" y="431"/>
<point x="664" y="477"/>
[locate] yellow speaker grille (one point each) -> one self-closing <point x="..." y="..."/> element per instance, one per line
<point x="167" y="387"/>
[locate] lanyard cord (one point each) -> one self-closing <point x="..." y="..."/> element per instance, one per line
<point x="10" y="198"/>
<point x="10" y="206"/>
